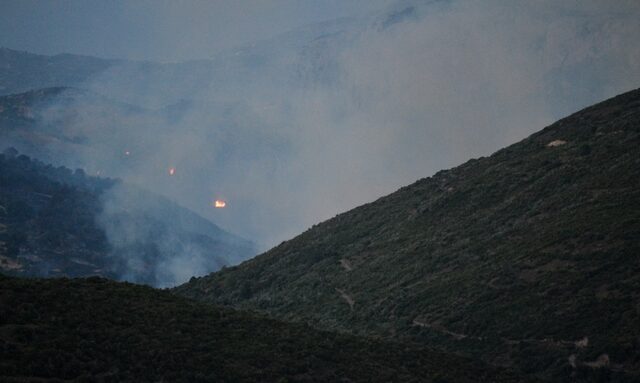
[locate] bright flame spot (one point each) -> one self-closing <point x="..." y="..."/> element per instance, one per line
<point x="219" y="203"/>
<point x="172" y="171"/>
<point x="127" y="153"/>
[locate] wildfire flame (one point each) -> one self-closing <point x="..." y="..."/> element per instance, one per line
<point x="172" y="171"/>
<point x="219" y="203"/>
<point x="126" y="153"/>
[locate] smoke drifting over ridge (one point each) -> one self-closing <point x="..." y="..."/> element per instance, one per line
<point x="292" y="130"/>
<point x="152" y="237"/>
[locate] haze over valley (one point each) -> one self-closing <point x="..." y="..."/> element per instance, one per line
<point x="295" y="128"/>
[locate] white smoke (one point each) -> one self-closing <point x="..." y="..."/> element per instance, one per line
<point x="293" y="130"/>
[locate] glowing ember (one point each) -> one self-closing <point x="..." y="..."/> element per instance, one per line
<point x="172" y="171"/>
<point x="219" y="203"/>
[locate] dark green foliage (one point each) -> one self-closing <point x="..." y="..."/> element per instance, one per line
<point x="94" y="330"/>
<point x="513" y="258"/>
<point x="47" y="216"/>
<point x="49" y="226"/>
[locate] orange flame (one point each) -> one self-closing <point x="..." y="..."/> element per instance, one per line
<point x="219" y="203"/>
<point x="172" y="171"/>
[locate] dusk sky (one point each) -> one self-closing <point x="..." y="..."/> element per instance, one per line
<point x="159" y="30"/>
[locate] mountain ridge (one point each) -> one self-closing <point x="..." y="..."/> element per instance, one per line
<point x="23" y="71"/>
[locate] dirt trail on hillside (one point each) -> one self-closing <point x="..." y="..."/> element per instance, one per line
<point x="347" y="298"/>
<point x="582" y="343"/>
<point x="346" y="264"/>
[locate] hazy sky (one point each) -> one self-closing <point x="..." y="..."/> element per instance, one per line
<point x="163" y="30"/>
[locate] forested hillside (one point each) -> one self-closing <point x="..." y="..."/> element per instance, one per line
<point x="89" y="330"/>
<point x="53" y="223"/>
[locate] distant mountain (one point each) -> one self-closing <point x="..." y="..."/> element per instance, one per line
<point x="59" y="222"/>
<point x="97" y="330"/>
<point x="529" y="258"/>
<point x="63" y="123"/>
<point x="39" y="117"/>
<point x="23" y="71"/>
